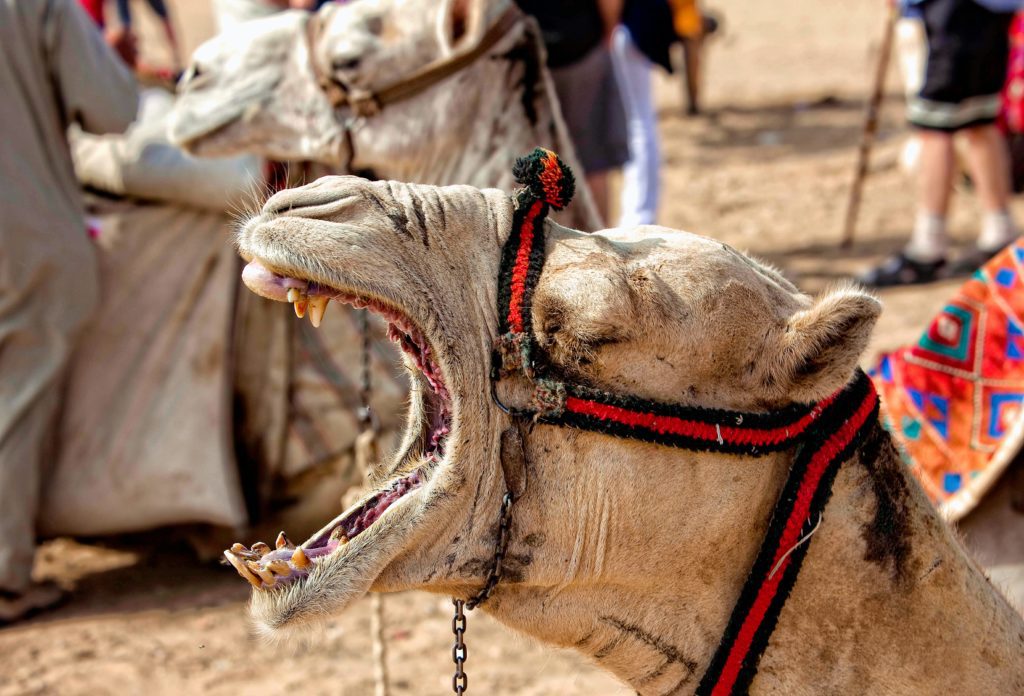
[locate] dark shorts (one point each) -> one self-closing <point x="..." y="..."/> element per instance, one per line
<point x="593" y="111"/>
<point x="968" y="51"/>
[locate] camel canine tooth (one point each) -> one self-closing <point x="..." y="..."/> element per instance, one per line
<point x="265" y="575"/>
<point x="283" y="542"/>
<point x="279" y="568"/>
<point x="242" y="570"/>
<point x="260" y="549"/>
<point x="299" y="559"/>
<point x="317" y="307"/>
<point x="294" y="295"/>
<point x="300" y="308"/>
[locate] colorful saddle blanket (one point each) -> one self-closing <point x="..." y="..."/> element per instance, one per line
<point x="954" y="399"/>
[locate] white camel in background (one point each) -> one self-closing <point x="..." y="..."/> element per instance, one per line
<point x="302" y="87"/>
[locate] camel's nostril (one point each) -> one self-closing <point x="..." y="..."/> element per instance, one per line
<point x="192" y="73"/>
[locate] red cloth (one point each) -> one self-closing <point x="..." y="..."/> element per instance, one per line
<point x="94" y="8"/>
<point x="1011" y="116"/>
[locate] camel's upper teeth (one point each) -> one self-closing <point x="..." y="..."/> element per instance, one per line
<point x="317" y="307"/>
<point x="294" y="295"/>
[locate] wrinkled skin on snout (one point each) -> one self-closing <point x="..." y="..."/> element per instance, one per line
<point x="629" y="552"/>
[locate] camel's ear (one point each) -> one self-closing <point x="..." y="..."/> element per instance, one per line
<point x="821" y="345"/>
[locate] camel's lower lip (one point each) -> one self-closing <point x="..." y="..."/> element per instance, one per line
<point x="267" y="568"/>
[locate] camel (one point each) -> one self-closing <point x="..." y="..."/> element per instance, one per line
<point x="633" y="553"/>
<point x="288" y="87"/>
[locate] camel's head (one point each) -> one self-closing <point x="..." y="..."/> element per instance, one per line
<point x="652" y="312"/>
<point x="278" y="86"/>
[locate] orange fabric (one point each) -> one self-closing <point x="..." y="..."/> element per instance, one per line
<point x="955" y="397"/>
<point x="687" y="18"/>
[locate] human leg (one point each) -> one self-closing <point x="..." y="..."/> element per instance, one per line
<point x="160" y="10"/>
<point x="124" y="14"/>
<point x="48" y="289"/>
<point x="639" y="205"/>
<point x="967" y="54"/>
<point x="593" y="112"/>
<point x="32" y="357"/>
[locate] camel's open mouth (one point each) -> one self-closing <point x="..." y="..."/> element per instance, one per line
<point x="269" y="568"/>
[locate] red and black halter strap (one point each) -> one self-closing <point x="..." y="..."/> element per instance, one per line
<point x="824" y="434"/>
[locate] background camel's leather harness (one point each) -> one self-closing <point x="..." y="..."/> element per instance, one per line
<point x="825" y="434"/>
<point x="365" y="103"/>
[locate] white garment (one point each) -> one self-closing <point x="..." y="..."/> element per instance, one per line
<point x="640" y="176"/>
<point x="55" y="69"/>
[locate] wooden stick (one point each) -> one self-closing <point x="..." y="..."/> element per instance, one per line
<point x="870" y="129"/>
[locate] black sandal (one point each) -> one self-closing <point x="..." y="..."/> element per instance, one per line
<point x="972" y="261"/>
<point x="902" y="270"/>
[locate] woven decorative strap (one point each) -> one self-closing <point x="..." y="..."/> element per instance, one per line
<point x="546" y="183"/>
<point x="826" y="433"/>
<point x="831" y="440"/>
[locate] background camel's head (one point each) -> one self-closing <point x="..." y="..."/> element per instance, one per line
<point x="652" y="312"/>
<point x="267" y="86"/>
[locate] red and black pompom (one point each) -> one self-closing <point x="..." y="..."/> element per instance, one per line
<point x="546" y="178"/>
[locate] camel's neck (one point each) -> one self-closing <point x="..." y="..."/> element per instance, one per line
<point x="886" y="601"/>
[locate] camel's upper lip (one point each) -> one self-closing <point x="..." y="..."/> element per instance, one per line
<point x="274" y="568"/>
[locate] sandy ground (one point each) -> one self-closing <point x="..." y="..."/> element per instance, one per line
<point x="767" y="170"/>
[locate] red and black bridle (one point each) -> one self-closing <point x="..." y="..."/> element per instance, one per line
<point x="824" y="434"/>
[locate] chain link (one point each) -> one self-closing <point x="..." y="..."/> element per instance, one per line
<point x="460" y="682"/>
<point x="500" y="548"/>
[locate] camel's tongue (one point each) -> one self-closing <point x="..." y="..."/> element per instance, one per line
<point x="265" y="283"/>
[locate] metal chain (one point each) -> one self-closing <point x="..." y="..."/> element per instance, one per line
<point x="460" y="682"/>
<point x="500" y="547"/>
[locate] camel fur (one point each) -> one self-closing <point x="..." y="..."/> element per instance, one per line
<point x="633" y="553"/>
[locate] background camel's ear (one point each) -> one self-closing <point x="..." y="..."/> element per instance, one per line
<point x="458" y="22"/>
<point x="821" y="345"/>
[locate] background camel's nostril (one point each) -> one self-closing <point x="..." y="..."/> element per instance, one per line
<point x="192" y="73"/>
